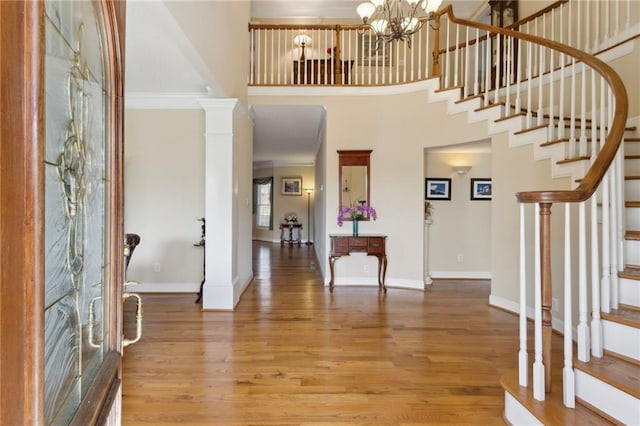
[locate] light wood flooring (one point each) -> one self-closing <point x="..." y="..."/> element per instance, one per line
<point x="292" y="353"/>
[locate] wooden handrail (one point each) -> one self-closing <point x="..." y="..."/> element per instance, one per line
<point x="596" y="172"/>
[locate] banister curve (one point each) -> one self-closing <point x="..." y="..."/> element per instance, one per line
<point x="597" y="170"/>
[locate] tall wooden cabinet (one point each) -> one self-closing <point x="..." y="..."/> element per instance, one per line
<point x="61" y="222"/>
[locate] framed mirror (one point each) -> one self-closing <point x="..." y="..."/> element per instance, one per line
<point x="353" y="170"/>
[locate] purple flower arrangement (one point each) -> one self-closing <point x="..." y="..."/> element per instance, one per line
<point x="356" y="213"/>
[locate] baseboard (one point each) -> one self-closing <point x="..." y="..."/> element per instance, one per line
<point x="165" y="288"/>
<point x="461" y="275"/>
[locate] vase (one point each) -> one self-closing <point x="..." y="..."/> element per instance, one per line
<point x="355" y="227"/>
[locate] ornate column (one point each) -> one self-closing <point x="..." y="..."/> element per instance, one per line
<point x="427" y="278"/>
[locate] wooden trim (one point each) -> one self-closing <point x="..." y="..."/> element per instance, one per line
<point x="21" y="213"/>
<point x="96" y="400"/>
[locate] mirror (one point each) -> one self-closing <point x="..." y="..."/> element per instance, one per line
<point x="353" y="167"/>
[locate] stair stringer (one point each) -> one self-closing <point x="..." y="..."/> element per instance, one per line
<point x="512" y="126"/>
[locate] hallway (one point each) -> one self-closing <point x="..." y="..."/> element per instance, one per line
<point x="293" y="353"/>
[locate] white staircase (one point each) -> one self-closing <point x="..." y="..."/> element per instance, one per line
<point x="607" y="387"/>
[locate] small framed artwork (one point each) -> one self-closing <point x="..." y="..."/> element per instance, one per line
<point x="437" y="189"/>
<point x="291" y="186"/>
<point x="481" y="189"/>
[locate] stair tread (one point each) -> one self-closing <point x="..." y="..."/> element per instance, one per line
<point x="631" y="177"/>
<point x="632" y="157"/>
<point x="446" y="89"/>
<point x="632" y="235"/>
<point x="614" y="371"/>
<point x="632" y="203"/>
<point x="631" y="272"/>
<point x="469" y="98"/>
<point x="509" y="117"/>
<point x="489" y="106"/>
<point x="551" y="411"/>
<point x="531" y="129"/>
<point x="573" y="160"/>
<point x="622" y="315"/>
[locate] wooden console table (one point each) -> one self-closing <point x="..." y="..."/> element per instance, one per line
<point x="373" y="245"/>
<point x="287" y="237"/>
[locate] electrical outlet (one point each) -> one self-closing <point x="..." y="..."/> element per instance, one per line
<point x="460" y="257"/>
<point x="554" y="304"/>
<point x="366" y="268"/>
<point x="156" y="267"/>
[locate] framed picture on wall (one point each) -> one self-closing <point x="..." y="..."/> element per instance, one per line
<point x="373" y="53"/>
<point x="437" y="189"/>
<point x="291" y="186"/>
<point x="481" y="189"/>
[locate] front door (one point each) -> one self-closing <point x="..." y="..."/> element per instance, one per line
<point x="61" y="211"/>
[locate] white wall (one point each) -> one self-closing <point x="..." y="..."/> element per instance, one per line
<point x="397" y="127"/>
<point x="460" y="235"/>
<point x="164" y="189"/>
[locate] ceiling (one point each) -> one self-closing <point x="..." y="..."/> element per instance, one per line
<point x="160" y="59"/>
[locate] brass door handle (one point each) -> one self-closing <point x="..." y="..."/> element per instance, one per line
<point x="126" y="342"/>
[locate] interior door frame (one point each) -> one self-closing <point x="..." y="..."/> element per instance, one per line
<point x="22" y="218"/>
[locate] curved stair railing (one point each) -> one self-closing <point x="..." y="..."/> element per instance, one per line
<point x="566" y="97"/>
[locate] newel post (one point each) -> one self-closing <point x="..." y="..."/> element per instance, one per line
<point x="545" y="274"/>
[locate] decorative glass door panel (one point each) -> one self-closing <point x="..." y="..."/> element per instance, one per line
<point x="77" y="186"/>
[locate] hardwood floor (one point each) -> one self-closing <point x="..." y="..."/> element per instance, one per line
<point x="292" y="353"/>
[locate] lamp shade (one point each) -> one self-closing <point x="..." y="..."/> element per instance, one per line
<point x="379" y="25"/>
<point x="301" y="39"/>
<point x="365" y="10"/>
<point x="430" y="6"/>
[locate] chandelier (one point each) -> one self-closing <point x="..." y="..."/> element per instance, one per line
<point x="396" y="19"/>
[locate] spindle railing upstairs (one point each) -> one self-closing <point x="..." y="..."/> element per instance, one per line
<point x="548" y="85"/>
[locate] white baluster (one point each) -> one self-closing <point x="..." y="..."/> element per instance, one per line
<point x="587" y="35"/>
<point x="568" y="379"/>
<point x="627" y="26"/>
<point x="476" y="79"/>
<point x="397" y="50"/>
<point x="405" y="58"/>
<point x="507" y="72"/>
<point x="279" y="56"/>
<point x="606" y="238"/>
<point x="523" y="358"/>
<point x="572" y="119"/>
<point x="615" y="203"/>
<point x="583" y="327"/>
<point x="447" y="57"/>
<point x="427" y="59"/>
<point x="583" y="111"/>
<point x="529" y="83"/>
<point x="596" y="35"/>
<point x="538" y="366"/>
<point x="540" y="88"/>
<point x="467" y="65"/>
<point x="252" y="64"/>
<point x="579" y="24"/>
<point x="498" y="66"/>
<point x="518" y="71"/>
<point x="596" y="324"/>
<point x="456" y="51"/>
<point x="552" y="120"/>
<point x="487" y="71"/>
<point x="607" y="21"/>
<point x="617" y="19"/>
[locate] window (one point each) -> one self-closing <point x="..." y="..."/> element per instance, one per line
<point x="263" y="204"/>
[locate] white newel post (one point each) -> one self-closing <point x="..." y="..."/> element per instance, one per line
<point x="220" y="204"/>
<point x="426" y="276"/>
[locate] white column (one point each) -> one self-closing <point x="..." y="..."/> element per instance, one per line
<point x="426" y="276"/>
<point x="220" y="204"/>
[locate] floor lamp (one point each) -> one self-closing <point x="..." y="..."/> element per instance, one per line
<point x="309" y="215"/>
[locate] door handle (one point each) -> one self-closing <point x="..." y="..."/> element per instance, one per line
<point x="125" y="295"/>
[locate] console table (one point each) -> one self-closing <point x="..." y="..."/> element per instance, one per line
<point x="373" y="245"/>
<point x="287" y="237"/>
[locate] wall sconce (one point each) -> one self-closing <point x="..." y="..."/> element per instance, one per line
<point x="461" y="170"/>
<point x="302" y="40"/>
